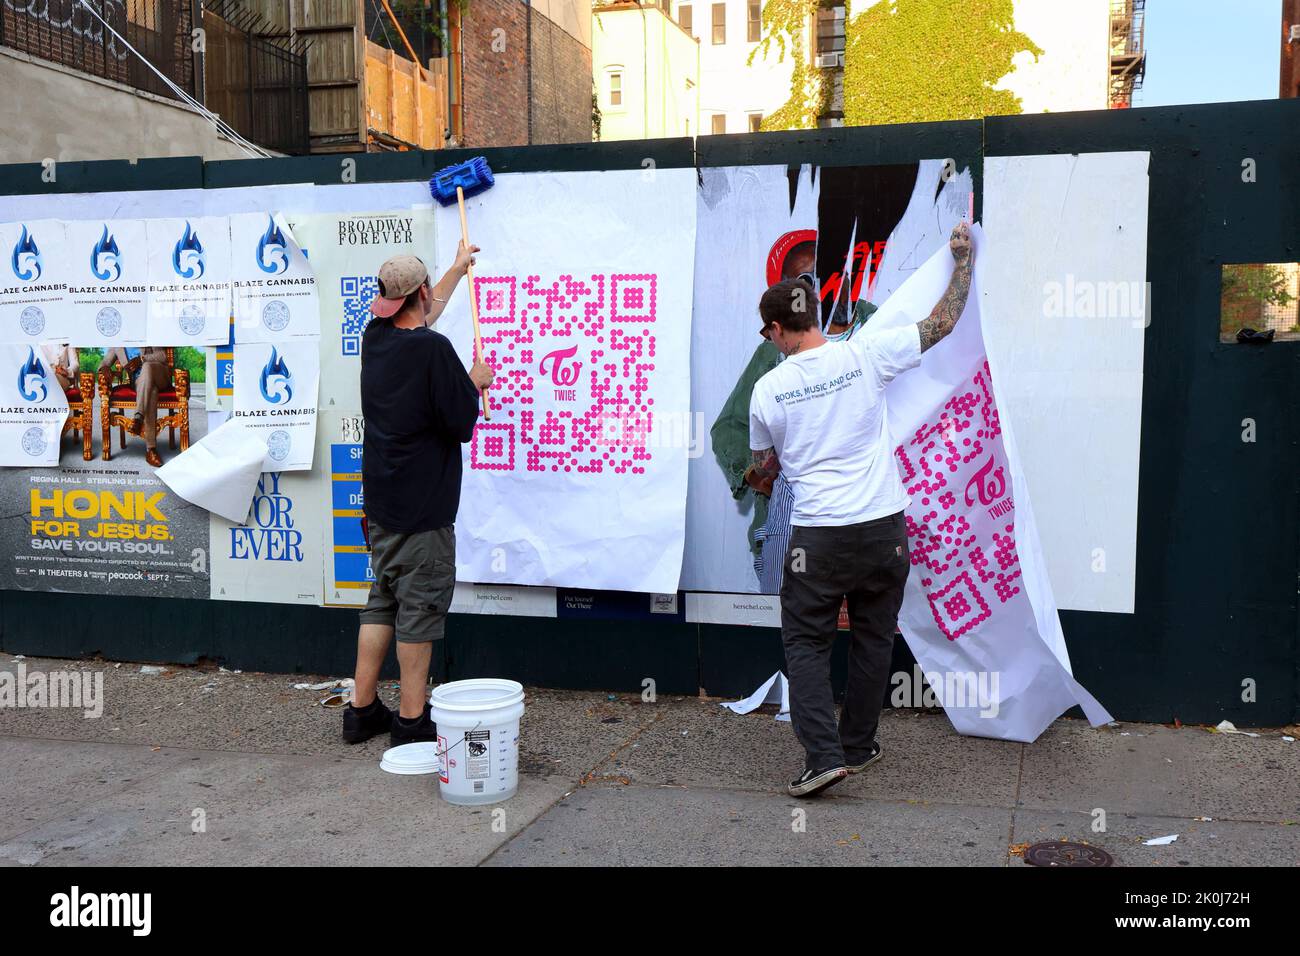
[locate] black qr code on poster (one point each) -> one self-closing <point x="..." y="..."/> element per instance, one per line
<point x="357" y="293"/>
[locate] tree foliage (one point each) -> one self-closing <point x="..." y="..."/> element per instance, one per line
<point x="1246" y="290"/>
<point x="783" y="28"/>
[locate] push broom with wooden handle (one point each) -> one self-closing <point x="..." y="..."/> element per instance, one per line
<point x="450" y="185"/>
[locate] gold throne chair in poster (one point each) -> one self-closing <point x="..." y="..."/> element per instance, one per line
<point x="117" y="404"/>
<point x="81" y="411"/>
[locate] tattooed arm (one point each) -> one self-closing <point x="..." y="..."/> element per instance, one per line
<point x="763" y="471"/>
<point x="944" y="316"/>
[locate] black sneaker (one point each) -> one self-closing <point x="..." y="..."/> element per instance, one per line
<point x="360" y="725"/>
<point x="874" y="754"/>
<point x="814" y="782"/>
<point x="421" y="730"/>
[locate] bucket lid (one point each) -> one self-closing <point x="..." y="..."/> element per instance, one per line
<point x="411" y="758"/>
<point x="479" y="693"/>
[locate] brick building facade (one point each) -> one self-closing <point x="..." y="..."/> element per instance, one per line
<point x="561" y="72"/>
<point x="524" y="77"/>
<point x="1289" y="74"/>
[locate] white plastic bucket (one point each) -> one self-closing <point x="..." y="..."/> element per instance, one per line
<point x="478" y="739"/>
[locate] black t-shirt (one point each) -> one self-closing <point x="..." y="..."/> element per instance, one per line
<point x="419" y="406"/>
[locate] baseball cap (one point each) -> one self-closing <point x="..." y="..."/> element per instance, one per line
<point x="398" y="278"/>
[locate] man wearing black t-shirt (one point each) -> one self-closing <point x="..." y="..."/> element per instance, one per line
<point x="419" y="406"/>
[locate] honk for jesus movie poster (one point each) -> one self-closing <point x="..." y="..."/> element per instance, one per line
<point x="101" y="522"/>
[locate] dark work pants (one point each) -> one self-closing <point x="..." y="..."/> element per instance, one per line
<point x="866" y="563"/>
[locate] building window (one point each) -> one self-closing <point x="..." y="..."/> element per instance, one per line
<point x="684" y="19"/>
<point x="755" y="21"/>
<point x="719" y="122"/>
<point x="616" y="89"/>
<point x="830" y="30"/>
<point x="755" y="122"/>
<point x="719" y="24"/>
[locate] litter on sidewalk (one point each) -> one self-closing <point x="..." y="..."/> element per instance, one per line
<point x="775" y="690"/>
<point x="1227" y="727"/>
<point x="1161" y="841"/>
<point x="323" y="685"/>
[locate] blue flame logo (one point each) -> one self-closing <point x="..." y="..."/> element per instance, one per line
<point x="26" y="259"/>
<point x="31" y="378"/>
<point x="188" y="256"/>
<point x="105" y="258"/>
<point x="272" y="250"/>
<point x="277" y="381"/>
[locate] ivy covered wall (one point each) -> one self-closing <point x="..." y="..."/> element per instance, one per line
<point x="905" y="61"/>
<point x="785" y="27"/>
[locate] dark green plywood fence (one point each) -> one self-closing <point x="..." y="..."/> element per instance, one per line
<point x="1218" y="533"/>
<point x="1218" y="537"/>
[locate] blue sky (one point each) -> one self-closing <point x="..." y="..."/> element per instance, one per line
<point x="1207" y="51"/>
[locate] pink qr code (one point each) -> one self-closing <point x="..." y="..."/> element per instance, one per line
<point x="961" y="523"/>
<point x="574" y="361"/>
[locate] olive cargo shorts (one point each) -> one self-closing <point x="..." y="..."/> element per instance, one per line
<point x="415" y="575"/>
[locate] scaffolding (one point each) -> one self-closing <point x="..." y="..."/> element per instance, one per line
<point x="1128" y="58"/>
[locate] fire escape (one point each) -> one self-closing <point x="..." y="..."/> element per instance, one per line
<point x="1128" y="59"/>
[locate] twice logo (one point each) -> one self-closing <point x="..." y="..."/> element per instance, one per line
<point x="562" y="375"/>
<point x="987" y="483"/>
<point x="26" y="258"/>
<point x="272" y="249"/>
<point x="276" y="381"/>
<point x="188" y="257"/>
<point x="105" y="258"/>
<point x="31" y="378"/>
<point x="74" y="908"/>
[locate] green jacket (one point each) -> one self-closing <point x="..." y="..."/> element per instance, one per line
<point x="730" y="433"/>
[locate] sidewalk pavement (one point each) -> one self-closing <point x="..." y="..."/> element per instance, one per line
<point x="607" y="779"/>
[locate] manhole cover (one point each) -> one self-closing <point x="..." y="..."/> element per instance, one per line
<point x="1060" y="853"/>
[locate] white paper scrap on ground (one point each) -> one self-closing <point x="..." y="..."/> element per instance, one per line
<point x="220" y="472"/>
<point x="1161" y="841"/>
<point x="978" y="611"/>
<point x="774" y="690"/>
<point x="1228" y="727"/>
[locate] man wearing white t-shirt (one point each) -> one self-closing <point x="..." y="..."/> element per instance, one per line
<point x="819" y="418"/>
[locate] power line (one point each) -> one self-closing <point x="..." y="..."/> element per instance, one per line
<point x="220" y="125"/>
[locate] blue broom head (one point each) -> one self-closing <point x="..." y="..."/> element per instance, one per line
<point x="473" y="176"/>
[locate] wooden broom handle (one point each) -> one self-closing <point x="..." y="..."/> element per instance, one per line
<point x="473" y="299"/>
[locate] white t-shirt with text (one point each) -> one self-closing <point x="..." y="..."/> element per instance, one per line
<point x="823" y="411"/>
